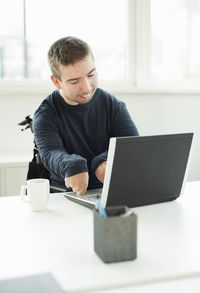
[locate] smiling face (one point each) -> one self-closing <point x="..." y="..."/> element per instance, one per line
<point x="78" y="81"/>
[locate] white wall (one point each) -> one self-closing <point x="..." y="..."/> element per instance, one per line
<point x="160" y="114"/>
<point x="152" y="113"/>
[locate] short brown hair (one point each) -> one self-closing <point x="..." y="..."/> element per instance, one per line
<point x="66" y="51"/>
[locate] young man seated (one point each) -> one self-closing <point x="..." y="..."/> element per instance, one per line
<point x="73" y="125"/>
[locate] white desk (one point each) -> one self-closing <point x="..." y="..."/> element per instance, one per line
<point x="183" y="285"/>
<point x="60" y="240"/>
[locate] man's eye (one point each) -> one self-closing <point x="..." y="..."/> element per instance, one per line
<point x="91" y="75"/>
<point x="74" y="82"/>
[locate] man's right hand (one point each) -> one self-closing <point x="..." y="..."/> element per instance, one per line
<point x="78" y="182"/>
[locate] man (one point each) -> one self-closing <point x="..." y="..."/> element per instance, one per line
<point x="73" y="125"/>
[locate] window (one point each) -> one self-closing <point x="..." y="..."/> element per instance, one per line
<point x="175" y="39"/>
<point x="136" y="43"/>
<point x="36" y="24"/>
<point x="11" y="39"/>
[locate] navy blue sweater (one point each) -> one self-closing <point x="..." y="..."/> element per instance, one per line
<point x="75" y="139"/>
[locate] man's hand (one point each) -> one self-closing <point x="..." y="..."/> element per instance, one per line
<point x="78" y="182"/>
<point x="100" y="171"/>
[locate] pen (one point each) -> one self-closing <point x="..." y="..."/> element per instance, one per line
<point x="101" y="209"/>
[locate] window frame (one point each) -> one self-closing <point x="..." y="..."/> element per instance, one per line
<point x="139" y="54"/>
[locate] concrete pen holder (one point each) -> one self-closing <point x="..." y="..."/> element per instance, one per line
<point x="115" y="237"/>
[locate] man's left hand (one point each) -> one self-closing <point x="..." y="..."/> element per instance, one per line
<point x="100" y="171"/>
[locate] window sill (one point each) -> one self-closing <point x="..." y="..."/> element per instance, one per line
<point x="30" y="88"/>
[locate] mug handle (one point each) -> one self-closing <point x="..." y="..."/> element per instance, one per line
<point x="23" y="192"/>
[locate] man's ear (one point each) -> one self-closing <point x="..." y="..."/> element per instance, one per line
<point x="56" y="81"/>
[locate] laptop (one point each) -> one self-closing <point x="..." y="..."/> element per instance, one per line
<point x="141" y="170"/>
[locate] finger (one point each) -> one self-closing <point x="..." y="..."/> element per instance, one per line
<point x="74" y="189"/>
<point x="67" y="183"/>
<point x="78" y="190"/>
<point x="82" y="190"/>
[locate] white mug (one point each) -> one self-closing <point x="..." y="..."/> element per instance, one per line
<point x="37" y="191"/>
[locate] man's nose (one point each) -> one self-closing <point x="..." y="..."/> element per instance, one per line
<point x="86" y="86"/>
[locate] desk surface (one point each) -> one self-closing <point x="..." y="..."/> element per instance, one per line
<point x="183" y="285"/>
<point x="60" y="240"/>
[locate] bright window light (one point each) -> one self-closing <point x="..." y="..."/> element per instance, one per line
<point x="175" y="39"/>
<point x="25" y="40"/>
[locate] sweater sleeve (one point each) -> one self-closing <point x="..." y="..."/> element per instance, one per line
<point x="51" y="149"/>
<point x="96" y="161"/>
<point x="121" y="125"/>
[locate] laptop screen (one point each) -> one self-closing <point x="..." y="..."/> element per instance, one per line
<point x="145" y="169"/>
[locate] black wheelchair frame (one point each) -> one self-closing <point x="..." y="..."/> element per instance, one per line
<point x="35" y="169"/>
